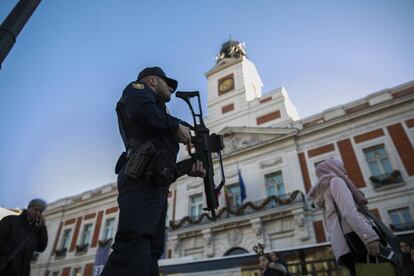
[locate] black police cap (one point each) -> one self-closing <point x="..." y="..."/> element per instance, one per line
<point x="157" y="71"/>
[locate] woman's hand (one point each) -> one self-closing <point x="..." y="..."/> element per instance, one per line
<point x="373" y="248"/>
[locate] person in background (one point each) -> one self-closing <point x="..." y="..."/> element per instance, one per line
<point x="335" y="187"/>
<point x="411" y="266"/>
<point x="278" y="264"/>
<point x="265" y="270"/>
<point x="406" y="250"/>
<point x="20" y="237"/>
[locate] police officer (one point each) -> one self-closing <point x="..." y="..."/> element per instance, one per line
<point x="143" y="118"/>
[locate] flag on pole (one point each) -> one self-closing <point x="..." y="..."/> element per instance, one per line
<point x="102" y="254"/>
<point x="242" y="186"/>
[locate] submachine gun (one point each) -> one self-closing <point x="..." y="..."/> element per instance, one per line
<point x="204" y="145"/>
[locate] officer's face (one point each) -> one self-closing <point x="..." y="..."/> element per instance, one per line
<point x="163" y="90"/>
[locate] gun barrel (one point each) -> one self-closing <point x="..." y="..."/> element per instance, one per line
<point x="186" y="94"/>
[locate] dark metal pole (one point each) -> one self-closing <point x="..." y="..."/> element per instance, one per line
<point x="13" y="24"/>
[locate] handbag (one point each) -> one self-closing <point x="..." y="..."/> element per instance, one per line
<point x="354" y="242"/>
<point x="374" y="269"/>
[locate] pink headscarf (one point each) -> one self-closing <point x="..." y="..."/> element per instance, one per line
<point x="325" y="171"/>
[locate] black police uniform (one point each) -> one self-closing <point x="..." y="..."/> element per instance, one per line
<point x="140" y="238"/>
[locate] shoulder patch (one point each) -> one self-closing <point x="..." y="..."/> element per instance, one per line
<point x="138" y="86"/>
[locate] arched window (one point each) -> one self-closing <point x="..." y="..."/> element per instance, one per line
<point x="236" y="251"/>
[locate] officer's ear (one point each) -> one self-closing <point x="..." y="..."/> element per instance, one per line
<point x="154" y="80"/>
<point x="151" y="81"/>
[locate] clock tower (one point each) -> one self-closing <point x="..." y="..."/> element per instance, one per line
<point x="235" y="94"/>
<point x="232" y="83"/>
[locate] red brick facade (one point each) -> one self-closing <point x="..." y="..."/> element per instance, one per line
<point x="320" y="150"/>
<point x="227" y="108"/>
<point x="404" y="148"/>
<point x="97" y="229"/>
<point x="319" y="231"/>
<point x="66" y="271"/>
<point x="351" y="162"/>
<point x="57" y="238"/>
<point x="304" y="170"/>
<point x="70" y="221"/>
<point x="265" y="100"/>
<point x="410" y="123"/>
<point x="89" y="216"/>
<point x="268" y="117"/>
<point x="313" y="122"/>
<point x="111" y="210"/>
<point x="356" y="108"/>
<point x="369" y="135"/>
<point x="75" y="234"/>
<point x="403" y="93"/>
<point x="376" y="213"/>
<point x="88" y="271"/>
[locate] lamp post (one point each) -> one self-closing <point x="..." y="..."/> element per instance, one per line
<point x="13" y="24"/>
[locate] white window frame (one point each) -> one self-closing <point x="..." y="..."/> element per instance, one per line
<point x="283" y="181"/>
<point x="382" y="169"/>
<point x="399" y="208"/>
<point x="282" y="166"/>
<point x="190" y="205"/>
<point x="80" y="241"/>
<point x="409" y="131"/>
<point x="392" y="207"/>
<point x="73" y="271"/>
<point x="389" y="148"/>
<point x="229" y="185"/>
<point x="69" y="238"/>
<point x="102" y="236"/>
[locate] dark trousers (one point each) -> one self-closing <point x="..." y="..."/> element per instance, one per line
<point x="140" y="239"/>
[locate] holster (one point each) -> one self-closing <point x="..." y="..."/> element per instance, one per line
<point x="139" y="159"/>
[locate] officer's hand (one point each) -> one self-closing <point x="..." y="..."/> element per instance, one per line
<point x="373" y="248"/>
<point x="197" y="170"/>
<point x="40" y="220"/>
<point x="183" y="134"/>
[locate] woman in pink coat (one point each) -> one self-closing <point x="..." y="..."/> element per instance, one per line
<point x="335" y="186"/>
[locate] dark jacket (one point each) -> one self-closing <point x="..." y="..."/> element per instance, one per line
<point x="13" y="230"/>
<point x="142" y="116"/>
<point x="270" y="272"/>
<point x="150" y="119"/>
<point x="281" y="262"/>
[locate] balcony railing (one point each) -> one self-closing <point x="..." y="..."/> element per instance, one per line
<point x="246" y="209"/>
<point x="105" y="243"/>
<point x="386" y="179"/>
<point x="402" y="227"/>
<point x="82" y="248"/>
<point x="60" y="253"/>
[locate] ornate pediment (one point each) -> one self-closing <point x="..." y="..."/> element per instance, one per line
<point x="238" y="138"/>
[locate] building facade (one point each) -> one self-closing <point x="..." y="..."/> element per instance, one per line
<point x="274" y="153"/>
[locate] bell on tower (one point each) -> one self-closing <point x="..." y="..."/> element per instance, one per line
<point x="231" y="49"/>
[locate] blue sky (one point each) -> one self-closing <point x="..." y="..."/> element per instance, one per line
<point x="60" y="83"/>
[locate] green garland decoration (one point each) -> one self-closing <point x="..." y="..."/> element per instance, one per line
<point x="239" y="211"/>
<point x="393" y="177"/>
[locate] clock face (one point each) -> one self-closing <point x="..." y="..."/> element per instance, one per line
<point x="226" y="84"/>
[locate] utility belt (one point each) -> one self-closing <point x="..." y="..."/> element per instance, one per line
<point x="146" y="161"/>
